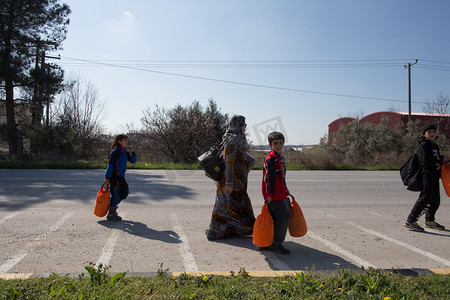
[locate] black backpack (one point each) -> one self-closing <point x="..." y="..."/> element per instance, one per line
<point x="411" y="174"/>
<point x="212" y="162"/>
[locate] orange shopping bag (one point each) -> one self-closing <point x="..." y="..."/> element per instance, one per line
<point x="102" y="202"/>
<point x="297" y="223"/>
<point x="445" y="177"/>
<point x="263" y="228"/>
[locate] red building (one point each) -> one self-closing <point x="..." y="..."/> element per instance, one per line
<point x="396" y="118"/>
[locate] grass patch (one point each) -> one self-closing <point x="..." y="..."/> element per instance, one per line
<point x="163" y="166"/>
<point x="46" y="164"/>
<point x="83" y="164"/>
<point x="343" y="284"/>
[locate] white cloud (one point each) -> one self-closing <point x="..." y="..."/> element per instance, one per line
<point x="127" y="14"/>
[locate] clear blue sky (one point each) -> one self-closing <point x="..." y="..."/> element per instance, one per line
<point x="349" y="47"/>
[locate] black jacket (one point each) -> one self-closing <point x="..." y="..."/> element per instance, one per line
<point x="430" y="159"/>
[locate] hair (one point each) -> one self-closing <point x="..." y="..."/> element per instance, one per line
<point x="118" y="138"/>
<point x="276" y="135"/>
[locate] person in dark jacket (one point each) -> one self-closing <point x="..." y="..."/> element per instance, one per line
<point x="275" y="191"/>
<point x="115" y="173"/>
<point x="430" y="166"/>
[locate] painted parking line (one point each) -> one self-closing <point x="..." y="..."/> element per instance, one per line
<point x="275" y="261"/>
<point x="356" y="259"/>
<point x="108" y="248"/>
<point x="188" y="258"/>
<point x="378" y="214"/>
<point x="397" y="242"/>
<point x="402" y="244"/>
<point x="8" y="217"/>
<point x="10" y="263"/>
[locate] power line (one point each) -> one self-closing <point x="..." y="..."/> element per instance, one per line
<point x="255" y="63"/>
<point x="236" y="82"/>
<point x="436" y="61"/>
<point x="432" y="67"/>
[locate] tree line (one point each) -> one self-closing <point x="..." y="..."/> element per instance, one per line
<point x="63" y="116"/>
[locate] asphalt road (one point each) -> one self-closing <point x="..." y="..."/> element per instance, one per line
<point x="354" y="219"/>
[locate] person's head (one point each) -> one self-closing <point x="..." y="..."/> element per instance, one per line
<point x="429" y="132"/>
<point x="276" y="141"/>
<point x="120" y="141"/>
<point x="237" y="124"/>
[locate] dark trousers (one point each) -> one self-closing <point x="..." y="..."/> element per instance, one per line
<point x="429" y="199"/>
<point x="119" y="190"/>
<point x="279" y="210"/>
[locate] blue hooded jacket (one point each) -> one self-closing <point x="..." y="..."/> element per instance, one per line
<point x="117" y="164"/>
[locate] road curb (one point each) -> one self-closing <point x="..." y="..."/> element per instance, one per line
<point x="271" y="273"/>
<point x="16" y="276"/>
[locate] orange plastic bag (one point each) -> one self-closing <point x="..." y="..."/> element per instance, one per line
<point x="445" y="177"/>
<point x="102" y="202"/>
<point x="297" y="223"/>
<point x="263" y="228"/>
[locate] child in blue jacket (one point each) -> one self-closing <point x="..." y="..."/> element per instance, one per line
<point x="115" y="173"/>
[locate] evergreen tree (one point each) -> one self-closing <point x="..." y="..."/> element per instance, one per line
<point x="27" y="28"/>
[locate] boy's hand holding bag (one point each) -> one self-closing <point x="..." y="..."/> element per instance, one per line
<point x="297" y="223"/>
<point x="263" y="228"/>
<point x="102" y="202"/>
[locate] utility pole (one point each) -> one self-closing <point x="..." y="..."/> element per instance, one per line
<point x="37" y="105"/>
<point x="36" y="86"/>
<point x="47" y="120"/>
<point x="409" y="88"/>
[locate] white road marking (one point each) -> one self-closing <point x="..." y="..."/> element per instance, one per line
<point x="276" y="262"/>
<point x="10" y="216"/>
<point x="407" y="246"/>
<point x="400" y="243"/>
<point x="377" y="214"/>
<point x="108" y="248"/>
<point x="10" y="263"/>
<point x="341" y="251"/>
<point x="188" y="259"/>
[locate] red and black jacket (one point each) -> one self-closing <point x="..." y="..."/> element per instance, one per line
<point x="274" y="183"/>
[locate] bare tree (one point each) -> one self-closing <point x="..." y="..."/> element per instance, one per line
<point x="358" y="115"/>
<point x="393" y="108"/>
<point x="80" y="110"/>
<point x="439" y="108"/>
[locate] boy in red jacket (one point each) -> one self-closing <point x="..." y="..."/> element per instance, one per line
<point x="275" y="191"/>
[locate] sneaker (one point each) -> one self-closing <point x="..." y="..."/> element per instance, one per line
<point x="434" y="225"/>
<point x="413" y="226"/>
<point x="280" y="248"/>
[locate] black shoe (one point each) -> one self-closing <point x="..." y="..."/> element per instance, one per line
<point x="280" y="248"/>
<point x="413" y="226"/>
<point x="112" y="214"/>
<point x="434" y="225"/>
